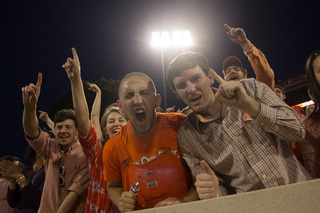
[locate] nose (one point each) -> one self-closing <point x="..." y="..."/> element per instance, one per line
<point x="117" y="123"/>
<point x="63" y="129"/>
<point x="191" y="87"/>
<point x="137" y="99"/>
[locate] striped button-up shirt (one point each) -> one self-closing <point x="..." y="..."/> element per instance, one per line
<point x="246" y="153"/>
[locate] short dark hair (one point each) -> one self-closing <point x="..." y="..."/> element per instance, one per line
<point x="280" y="87"/>
<point x="65" y="114"/>
<point x="184" y="61"/>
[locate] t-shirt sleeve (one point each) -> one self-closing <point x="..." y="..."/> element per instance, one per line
<point x="111" y="162"/>
<point x="91" y="145"/>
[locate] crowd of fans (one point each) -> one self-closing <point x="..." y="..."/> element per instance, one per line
<point x="236" y="138"/>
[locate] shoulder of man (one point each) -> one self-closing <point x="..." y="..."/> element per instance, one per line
<point x="175" y="119"/>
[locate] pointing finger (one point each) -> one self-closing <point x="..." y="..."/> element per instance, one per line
<point x="217" y="77"/>
<point x="75" y="55"/>
<point x="227" y="27"/>
<point x="39" y="82"/>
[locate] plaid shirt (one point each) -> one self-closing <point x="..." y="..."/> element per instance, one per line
<point x="246" y="154"/>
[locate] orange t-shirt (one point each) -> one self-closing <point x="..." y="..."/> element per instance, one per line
<point x="140" y="149"/>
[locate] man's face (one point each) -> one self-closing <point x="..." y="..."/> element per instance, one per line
<point x="65" y="132"/>
<point x="193" y="87"/>
<point x="234" y="73"/>
<point x="280" y="94"/>
<point x="138" y="101"/>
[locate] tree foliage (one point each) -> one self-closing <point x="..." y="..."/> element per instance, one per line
<point x="109" y="94"/>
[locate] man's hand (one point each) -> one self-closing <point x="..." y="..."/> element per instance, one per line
<point x="30" y="93"/>
<point x="232" y="93"/>
<point x="168" y="202"/>
<point x="237" y="35"/>
<point x="72" y="66"/>
<point x="127" y="201"/>
<point x="207" y="184"/>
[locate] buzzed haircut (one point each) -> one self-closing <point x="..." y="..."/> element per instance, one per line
<point x="65" y="114"/>
<point x="139" y="74"/>
<point x="184" y="61"/>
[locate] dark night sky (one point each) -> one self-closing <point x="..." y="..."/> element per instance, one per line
<point x="113" y="38"/>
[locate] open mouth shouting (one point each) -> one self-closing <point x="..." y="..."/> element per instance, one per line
<point x="140" y="114"/>
<point x="234" y="78"/>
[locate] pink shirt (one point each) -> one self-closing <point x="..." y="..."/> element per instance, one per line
<point x="4" y="206"/>
<point x="76" y="174"/>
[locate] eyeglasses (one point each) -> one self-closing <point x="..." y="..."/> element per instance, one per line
<point x="61" y="173"/>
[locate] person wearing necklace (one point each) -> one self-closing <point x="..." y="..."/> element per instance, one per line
<point x="26" y="182"/>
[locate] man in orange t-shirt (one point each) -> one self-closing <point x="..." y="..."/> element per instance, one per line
<point x="145" y="151"/>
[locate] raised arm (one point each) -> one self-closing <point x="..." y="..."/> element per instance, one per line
<point x="30" y="95"/>
<point x="72" y="68"/>
<point x="257" y="59"/>
<point x="45" y="118"/>
<point x="95" y="112"/>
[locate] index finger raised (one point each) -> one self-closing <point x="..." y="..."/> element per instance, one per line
<point x="39" y="82"/>
<point x="75" y="54"/>
<point x="227" y="27"/>
<point x="218" y="78"/>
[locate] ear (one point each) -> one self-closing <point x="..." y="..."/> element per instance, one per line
<point x="211" y="76"/>
<point x="158" y="100"/>
<point x="119" y="105"/>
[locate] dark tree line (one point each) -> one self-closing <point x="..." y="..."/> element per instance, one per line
<point x="109" y="94"/>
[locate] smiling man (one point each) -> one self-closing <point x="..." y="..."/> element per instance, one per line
<point x="237" y="137"/>
<point x="67" y="175"/>
<point x="145" y="151"/>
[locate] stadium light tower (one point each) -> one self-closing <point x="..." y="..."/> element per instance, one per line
<point x="164" y="39"/>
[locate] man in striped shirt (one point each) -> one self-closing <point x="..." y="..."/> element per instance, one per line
<point x="237" y="137"/>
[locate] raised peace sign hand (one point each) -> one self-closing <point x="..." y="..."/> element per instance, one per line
<point x="72" y="66"/>
<point x="232" y="93"/>
<point x="31" y="93"/>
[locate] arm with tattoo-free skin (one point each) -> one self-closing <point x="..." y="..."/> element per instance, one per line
<point x="45" y="118"/>
<point x="72" y="68"/>
<point x="95" y="111"/>
<point x="257" y="59"/>
<point x="69" y="202"/>
<point x="125" y="201"/>
<point x="30" y="95"/>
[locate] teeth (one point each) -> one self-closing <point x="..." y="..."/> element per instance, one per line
<point x="139" y="111"/>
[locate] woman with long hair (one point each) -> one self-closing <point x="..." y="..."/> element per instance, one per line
<point x="310" y="146"/>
